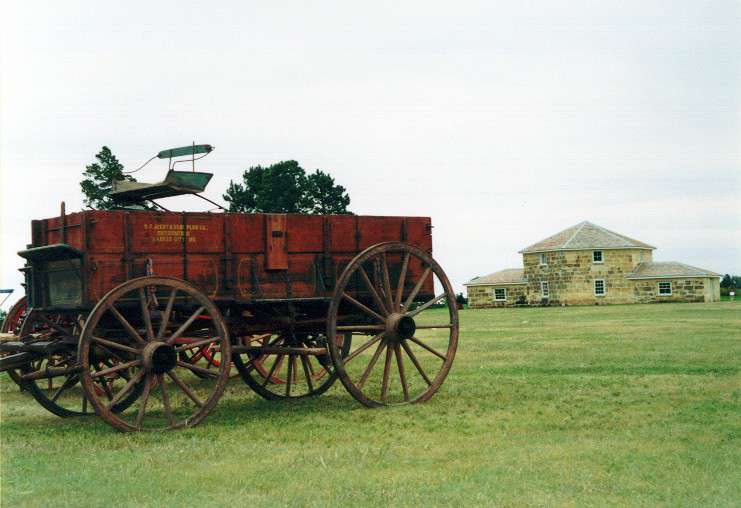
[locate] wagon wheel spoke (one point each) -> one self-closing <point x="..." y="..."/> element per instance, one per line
<point x="185" y="325"/>
<point x="258" y="361"/>
<point x="278" y="361"/>
<point x="417" y="287"/>
<point x="116" y="368"/>
<point x="290" y="375"/>
<point x="69" y="382"/>
<point x="307" y="373"/>
<point x="198" y="343"/>
<point x="401" y="282"/>
<point x="415" y="362"/>
<point x="402" y="375"/>
<point x="123" y="392"/>
<point x="387" y="284"/>
<point x="143" y="402"/>
<point x="115" y="345"/>
<point x="103" y="384"/>
<point x="311" y="368"/>
<point x="386" y="371"/>
<point x="166" y="315"/>
<point x="362" y="348"/>
<point x="197" y="369"/>
<point x="372" y="363"/>
<point x="127" y="326"/>
<point x="373" y="292"/>
<point x="166" y="400"/>
<point x="360" y="328"/>
<point x="362" y="307"/>
<point x="146" y="316"/>
<point x="428" y="348"/>
<point x="187" y="391"/>
<point x="426" y="305"/>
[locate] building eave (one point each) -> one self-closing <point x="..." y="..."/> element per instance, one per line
<point x="496" y="284"/>
<point x="584" y="248"/>
<point x="649" y="277"/>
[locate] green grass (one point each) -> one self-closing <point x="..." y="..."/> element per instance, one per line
<point x="627" y="405"/>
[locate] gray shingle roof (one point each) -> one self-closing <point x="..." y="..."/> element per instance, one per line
<point x="668" y="269"/>
<point x="585" y="236"/>
<point x="507" y="276"/>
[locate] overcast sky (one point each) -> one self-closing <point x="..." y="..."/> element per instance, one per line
<point x="503" y="121"/>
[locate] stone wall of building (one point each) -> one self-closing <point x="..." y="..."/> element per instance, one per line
<point x="571" y="275"/>
<point x="480" y="297"/>
<point x="712" y="289"/>
<point x="683" y="290"/>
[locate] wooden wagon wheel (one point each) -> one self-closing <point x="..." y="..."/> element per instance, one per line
<point x="278" y="376"/>
<point x="12" y="324"/>
<point x="141" y="320"/>
<point x="407" y="346"/>
<point x="61" y="393"/>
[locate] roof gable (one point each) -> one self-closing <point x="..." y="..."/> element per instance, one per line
<point x="585" y="236"/>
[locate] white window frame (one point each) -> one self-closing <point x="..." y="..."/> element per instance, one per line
<point x="500" y="299"/>
<point x="543" y="259"/>
<point x="601" y="257"/>
<point x="604" y="287"/>
<point x="658" y="288"/>
<point x="544" y="286"/>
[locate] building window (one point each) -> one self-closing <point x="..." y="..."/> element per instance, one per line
<point x="599" y="287"/>
<point x="543" y="259"/>
<point x="544" y="291"/>
<point x="500" y="294"/>
<point x="665" y="288"/>
<point x="597" y="256"/>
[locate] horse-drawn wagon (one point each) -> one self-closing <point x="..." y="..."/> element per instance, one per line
<point x="138" y="315"/>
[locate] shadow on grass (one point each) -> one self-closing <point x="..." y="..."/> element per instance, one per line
<point x="228" y="412"/>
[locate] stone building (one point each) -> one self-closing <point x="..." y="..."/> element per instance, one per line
<point x="586" y="265"/>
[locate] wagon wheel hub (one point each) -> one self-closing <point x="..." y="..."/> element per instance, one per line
<point x="158" y="357"/>
<point x="400" y="327"/>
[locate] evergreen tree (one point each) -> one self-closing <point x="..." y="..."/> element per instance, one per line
<point x="98" y="179"/>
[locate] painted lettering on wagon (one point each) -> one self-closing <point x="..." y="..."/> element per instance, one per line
<point x="174" y="232"/>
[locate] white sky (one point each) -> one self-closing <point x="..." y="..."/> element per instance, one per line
<point x="503" y="121"/>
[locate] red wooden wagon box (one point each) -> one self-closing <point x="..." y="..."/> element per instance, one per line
<point x="241" y="257"/>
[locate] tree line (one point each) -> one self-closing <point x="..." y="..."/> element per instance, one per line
<point x="283" y="187"/>
<point x="730" y="283"/>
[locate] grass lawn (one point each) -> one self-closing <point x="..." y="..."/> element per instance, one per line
<point x="628" y="405"/>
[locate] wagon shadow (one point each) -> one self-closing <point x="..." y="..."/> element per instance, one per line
<point x="294" y="411"/>
<point x="226" y="414"/>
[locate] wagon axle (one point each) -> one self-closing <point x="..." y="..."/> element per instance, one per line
<point x="400" y="327"/>
<point x="159" y="358"/>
